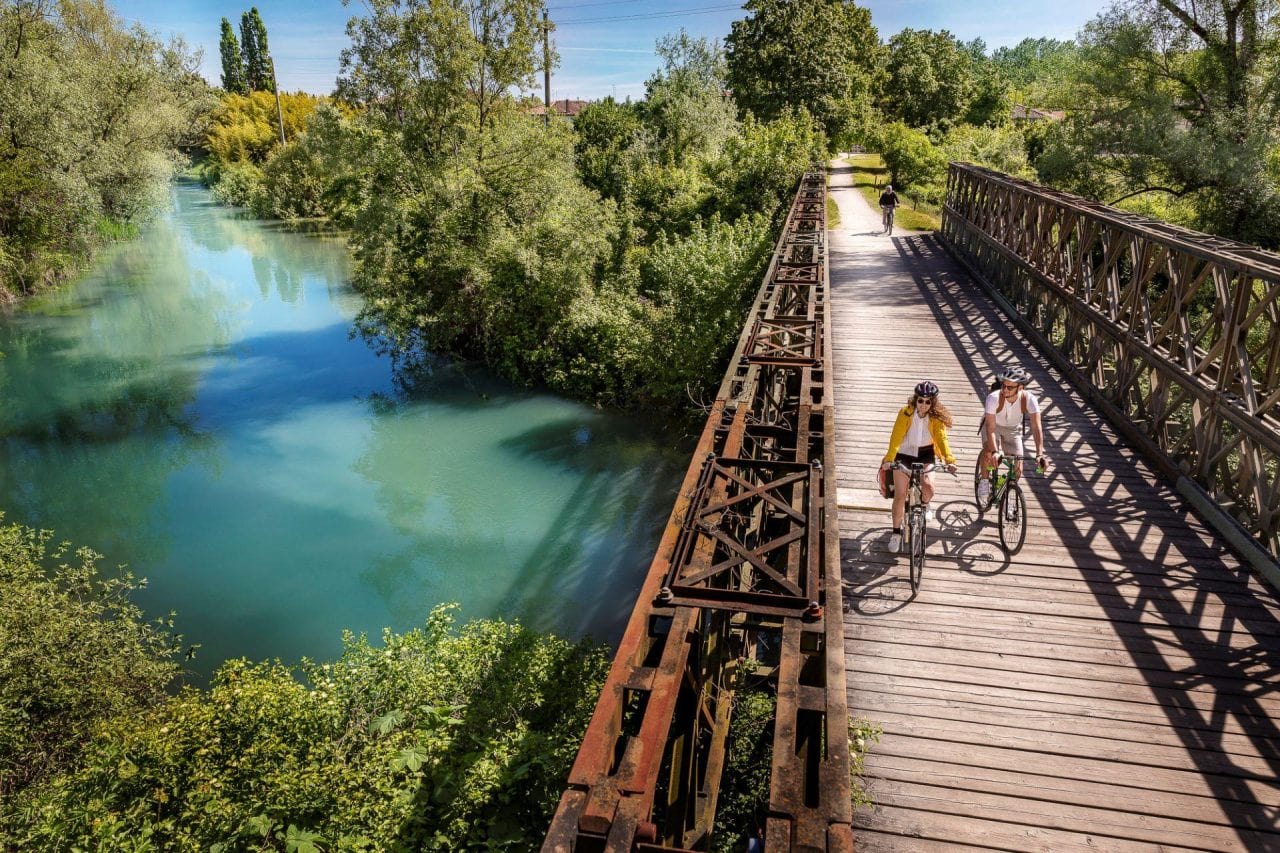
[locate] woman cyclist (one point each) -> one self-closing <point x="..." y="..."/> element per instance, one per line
<point x="919" y="435"/>
<point x="1002" y="423"/>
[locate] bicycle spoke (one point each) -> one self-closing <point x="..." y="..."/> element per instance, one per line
<point x="1013" y="518"/>
<point x="918" y="527"/>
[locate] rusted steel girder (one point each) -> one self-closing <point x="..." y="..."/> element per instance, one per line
<point x="748" y="561"/>
<point x="1174" y="334"/>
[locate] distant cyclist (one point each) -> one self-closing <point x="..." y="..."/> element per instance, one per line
<point x="919" y="435"/>
<point x="888" y="203"/>
<point x="1002" y="424"/>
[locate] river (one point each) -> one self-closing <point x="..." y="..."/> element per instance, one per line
<point x="195" y="407"/>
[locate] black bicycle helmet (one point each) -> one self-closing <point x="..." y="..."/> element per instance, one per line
<point x="926" y="389"/>
<point x="1017" y="375"/>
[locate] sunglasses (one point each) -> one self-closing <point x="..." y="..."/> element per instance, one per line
<point x="1009" y="387"/>
<point x="926" y="400"/>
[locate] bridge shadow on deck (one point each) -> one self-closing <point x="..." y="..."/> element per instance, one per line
<point x="1200" y="629"/>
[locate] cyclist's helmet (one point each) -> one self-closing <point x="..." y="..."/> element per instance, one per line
<point x="1017" y="375"/>
<point x="926" y="389"/>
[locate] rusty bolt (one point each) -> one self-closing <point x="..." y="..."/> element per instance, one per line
<point x="665" y="595"/>
<point x="813" y="611"/>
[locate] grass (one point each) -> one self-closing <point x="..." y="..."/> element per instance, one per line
<point x="870" y="176"/>
<point x="833" y="213"/>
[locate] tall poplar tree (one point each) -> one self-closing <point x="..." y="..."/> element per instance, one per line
<point x="249" y="46"/>
<point x="233" y="79"/>
<point x="257" y="58"/>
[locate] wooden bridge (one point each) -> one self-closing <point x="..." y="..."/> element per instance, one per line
<point x="1113" y="686"/>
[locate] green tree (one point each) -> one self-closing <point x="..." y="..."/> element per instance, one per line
<point x="604" y="133"/>
<point x="263" y="67"/>
<point x="257" y="55"/>
<point x="930" y="79"/>
<point x="233" y="79"/>
<point x="686" y="105"/>
<point x="913" y="160"/>
<point x="820" y="55"/>
<point x="1176" y="99"/>
<point x="990" y="104"/>
<point x="91" y="114"/>
<point x="249" y="46"/>
<point x="700" y="284"/>
<point x="1000" y="148"/>
<point x="1037" y="69"/>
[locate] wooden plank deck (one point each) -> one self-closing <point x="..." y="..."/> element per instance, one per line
<point x="1114" y="686"/>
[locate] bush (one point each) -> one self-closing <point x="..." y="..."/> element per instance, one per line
<point x="439" y="738"/>
<point x="758" y="170"/>
<point x="700" y="286"/>
<point x="239" y="184"/>
<point x="1001" y="148"/>
<point x="293" y="183"/>
<point x="74" y="652"/>
<point x="246" y="128"/>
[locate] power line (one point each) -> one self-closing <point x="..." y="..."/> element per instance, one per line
<point x="584" y="5"/>
<point x="674" y="14"/>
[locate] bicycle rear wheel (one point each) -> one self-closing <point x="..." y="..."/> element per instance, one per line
<point x="1013" y="518"/>
<point x="980" y="475"/>
<point x="918" y="528"/>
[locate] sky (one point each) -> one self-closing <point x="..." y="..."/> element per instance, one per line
<point x="606" y="48"/>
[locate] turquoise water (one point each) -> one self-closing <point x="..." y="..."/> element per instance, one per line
<point x="195" y="407"/>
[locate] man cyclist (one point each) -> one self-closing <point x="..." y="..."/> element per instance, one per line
<point x="888" y="202"/>
<point x="1002" y="424"/>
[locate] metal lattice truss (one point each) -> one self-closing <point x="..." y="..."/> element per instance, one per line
<point x="746" y="570"/>
<point x="1175" y="334"/>
<point x="746" y="542"/>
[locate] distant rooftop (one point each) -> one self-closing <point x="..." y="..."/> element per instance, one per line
<point x="563" y="107"/>
<point x="1024" y="113"/>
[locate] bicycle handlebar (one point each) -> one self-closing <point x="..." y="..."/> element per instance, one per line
<point x="925" y="469"/>
<point x="1001" y="457"/>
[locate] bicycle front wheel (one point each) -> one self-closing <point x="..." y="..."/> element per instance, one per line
<point x="918" y="535"/>
<point x="979" y="477"/>
<point x="1013" y="518"/>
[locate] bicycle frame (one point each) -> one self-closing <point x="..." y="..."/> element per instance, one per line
<point x="1000" y="483"/>
<point x="914" y="530"/>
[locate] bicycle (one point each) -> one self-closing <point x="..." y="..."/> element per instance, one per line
<point x="1005" y="492"/>
<point x="915" y="531"/>
<point x="888" y="219"/>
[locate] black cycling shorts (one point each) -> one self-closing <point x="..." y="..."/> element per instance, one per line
<point x="925" y="457"/>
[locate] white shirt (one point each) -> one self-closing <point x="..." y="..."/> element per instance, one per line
<point x="1011" y="414"/>
<point x="918" y="436"/>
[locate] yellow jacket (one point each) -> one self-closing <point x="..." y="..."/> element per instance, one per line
<point x="936" y="428"/>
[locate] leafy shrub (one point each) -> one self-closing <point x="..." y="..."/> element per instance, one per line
<point x="743" y="802"/>
<point x="293" y="183"/>
<point x="239" y="184"/>
<point x="1001" y="148"/>
<point x="246" y="128"/>
<point x="74" y="652"/>
<point x="700" y="285"/>
<point x="438" y="738"/>
<point x="758" y="170"/>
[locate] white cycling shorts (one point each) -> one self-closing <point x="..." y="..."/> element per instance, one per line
<point x="1009" y="440"/>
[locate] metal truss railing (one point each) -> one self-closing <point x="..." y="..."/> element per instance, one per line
<point x="747" y="570"/>
<point x="1174" y="334"/>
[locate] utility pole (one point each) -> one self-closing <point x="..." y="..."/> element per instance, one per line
<point x="275" y="84"/>
<point x="546" y="68"/>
